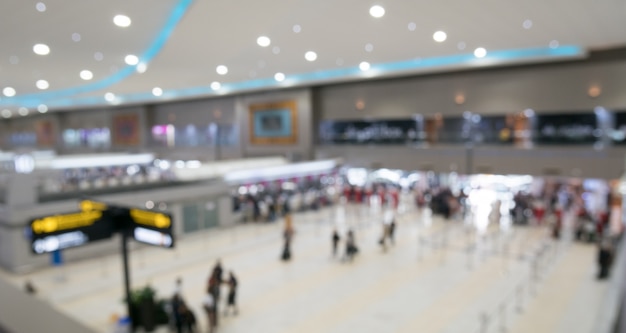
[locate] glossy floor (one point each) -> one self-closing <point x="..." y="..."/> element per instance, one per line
<point x="440" y="276"/>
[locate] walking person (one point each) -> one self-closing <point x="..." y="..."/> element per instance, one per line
<point x="232" y="294"/>
<point x="351" y="248"/>
<point x="605" y="258"/>
<point x="335" y="240"/>
<point x="287" y="237"/>
<point x="392" y="230"/>
<point x="209" y="308"/>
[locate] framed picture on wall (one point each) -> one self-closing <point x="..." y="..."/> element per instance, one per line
<point x="126" y="129"/>
<point x="46" y="133"/>
<point x="274" y="123"/>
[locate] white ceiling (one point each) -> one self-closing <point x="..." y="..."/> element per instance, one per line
<point x="224" y="32"/>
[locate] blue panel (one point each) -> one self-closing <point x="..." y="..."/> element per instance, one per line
<point x="272" y="123"/>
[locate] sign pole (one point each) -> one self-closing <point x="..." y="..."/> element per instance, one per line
<point x="127" y="276"/>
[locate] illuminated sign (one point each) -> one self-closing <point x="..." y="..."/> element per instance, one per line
<point x="151" y="219"/>
<point x="57" y="223"/>
<point x="153" y="237"/>
<point x="59" y="242"/>
<point x="88" y="206"/>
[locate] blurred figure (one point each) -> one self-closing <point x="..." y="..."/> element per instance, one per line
<point x="392" y="230"/>
<point x="29" y="287"/>
<point x="335" y="241"/>
<point x="209" y="308"/>
<point x="287" y="236"/>
<point x="232" y="293"/>
<point x="178" y="289"/>
<point x="605" y="258"/>
<point x="351" y="248"/>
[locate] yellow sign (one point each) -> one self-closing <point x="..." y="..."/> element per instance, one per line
<point x="65" y="222"/>
<point x="88" y="206"/>
<point x="151" y="219"/>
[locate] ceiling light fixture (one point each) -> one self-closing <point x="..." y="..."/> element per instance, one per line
<point x="41" y="49"/>
<point x="156" y="91"/>
<point x="377" y="11"/>
<point x="41" y="7"/>
<point x="369" y="47"/>
<point x="109" y="97"/>
<point x="76" y="37"/>
<point x="42" y="108"/>
<point x="86" y="75"/>
<point x="98" y="56"/>
<point x="131" y="59"/>
<point x="480" y="52"/>
<point x="280" y="77"/>
<point x="440" y="36"/>
<point x="8" y="91"/>
<point x="216" y="85"/>
<point x="42" y="84"/>
<point x="263" y="41"/>
<point x="297" y="28"/>
<point x="527" y="24"/>
<point x="122" y="21"/>
<point x="276" y="50"/>
<point x="142" y="67"/>
<point x="221" y="70"/>
<point x="310" y="56"/>
<point x="22" y="111"/>
<point x="554" y="44"/>
<point x="6" y="113"/>
<point x="412" y="26"/>
<point x="461" y="46"/>
<point x="364" y="66"/>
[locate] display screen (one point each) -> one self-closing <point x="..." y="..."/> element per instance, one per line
<point x="374" y="131"/>
<point x="564" y="128"/>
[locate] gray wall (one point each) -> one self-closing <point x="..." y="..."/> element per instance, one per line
<point x="560" y="87"/>
<point x="545" y="161"/>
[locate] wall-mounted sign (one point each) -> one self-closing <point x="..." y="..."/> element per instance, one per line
<point x="564" y="128"/>
<point x="371" y="132"/>
<point x="618" y="134"/>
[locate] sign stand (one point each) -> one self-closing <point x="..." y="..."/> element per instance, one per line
<point x="124" y="234"/>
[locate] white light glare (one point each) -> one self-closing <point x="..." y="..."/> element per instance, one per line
<point x="8" y="91"/>
<point x="440" y="36"/>
<point x="215" y="85"/>
<point x="527" y="24"/>
<point x="131" y="59"/>
<point x="156" y="91"/>
<point x="221" y="70"/>
<point x="279" y="77"/>
<point x="263" y="41"/>
<point x="42" y="84"/>
<point x="6" y="113"/>
<point x="109" y="97"/>
<point x="86" y="75"/>
<point x="480" y="52"/>
<point x="364" y="66"/>
<point x="377" y="11"/>
<point x="41" y="49"/>
<point x="22" y="111"/>
<point x="121" y="21"/>
<point x="42" y="108"/>
<point x="554" y="44"/>
<point x="41" y="7"/>
<point x="297" y="28"/>
<point x="310" y="56"/>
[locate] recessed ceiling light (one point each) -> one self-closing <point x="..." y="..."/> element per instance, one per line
<point x="216" y="85"/>
<point x="263" y="41"/>
<point x="6" y="113"/>
<point x="276" y="50"/>
<point x="221" y="70"/>
<point x="480" y="52"/>
<point x="131" y="59"/>
<point x="310" y="56"/>
<point x="156" y="91"/>
<point x="297" y="28"/>
<point x="41" y="49"/>
<point x="14" y="60"/>
<point x="142" y="67"/>
<point x="121" y="21"/>
<point x="554" y="44"/>
<point x="76" y="37"/>
<point x="42" y="108"/>
<point x="8" y="91"/>
<point x="261" y="64"/>
<point x="461" y="46"/>
<point x="279" y="77"/>
<point x="22" y="111"/>
<point x="412" y="26"/>
<point x="369" y="47"/>
<point x="42" y="84"/>
<point x="527" y="24"/>
<point x="252" y="74"/>
<point x="41" y="7"/>
<point x="98" y="56"/>
<point x="377" y="11"/>
<point x="364" y="66"/>
<point x="86" y="75"/>
<point x="440" y="36"/>
<point x="109" y="97"/>
<point x="339" y="62"/>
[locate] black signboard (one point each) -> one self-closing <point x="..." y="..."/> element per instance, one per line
<point x="494" y="130"/>
<point x="58" y="232"/>
<point x="563" y="128"/>
<point x="456" y="129"/>
<point x="619" y="131"/>
<point x="397" y="131"/>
